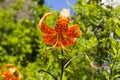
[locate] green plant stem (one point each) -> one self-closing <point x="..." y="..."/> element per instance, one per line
<point x="66" y="64"/>
<point x="62" y="65"/>
<point x="62" y="70"/>
<point x="49" y="74"/>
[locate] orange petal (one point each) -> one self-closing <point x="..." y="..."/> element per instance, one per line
<point x="73" y="31"/>
<point x="8" y="71"/>
<point x="62" y="21"/>
<point x="50" y="38"/>
<point x="43" y="27"/>
<point x="68" y="41"/>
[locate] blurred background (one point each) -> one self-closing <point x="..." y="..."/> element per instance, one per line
<point x="21" y="41"/>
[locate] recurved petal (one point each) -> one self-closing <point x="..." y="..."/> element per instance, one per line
<point x="73" y="31"/>
<point x="8" y="71"/>
<point x="42" y="19"/>
<point x="68" y="41"/>
<point x="43" y="27"/>
<point x="50" y="39"/>
<point x="46" y="29"/>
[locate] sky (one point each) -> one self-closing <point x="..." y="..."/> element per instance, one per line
<point x="59" y="4"/>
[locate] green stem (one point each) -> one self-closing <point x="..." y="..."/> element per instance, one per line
<point x="62" y="65"/>
<point x="87" y="58"/>
<point x="66" y="64"/>
<point x="49" y="74"/>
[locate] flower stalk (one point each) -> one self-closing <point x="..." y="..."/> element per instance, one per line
<point x="62" y="35"/>
<point x="62" y="64"/>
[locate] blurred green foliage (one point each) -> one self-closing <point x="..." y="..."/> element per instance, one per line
<point x="21" y="42"/>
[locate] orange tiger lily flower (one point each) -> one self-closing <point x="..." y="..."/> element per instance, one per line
<point x="10" y="72"/>
<point x="62" y="35"/>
